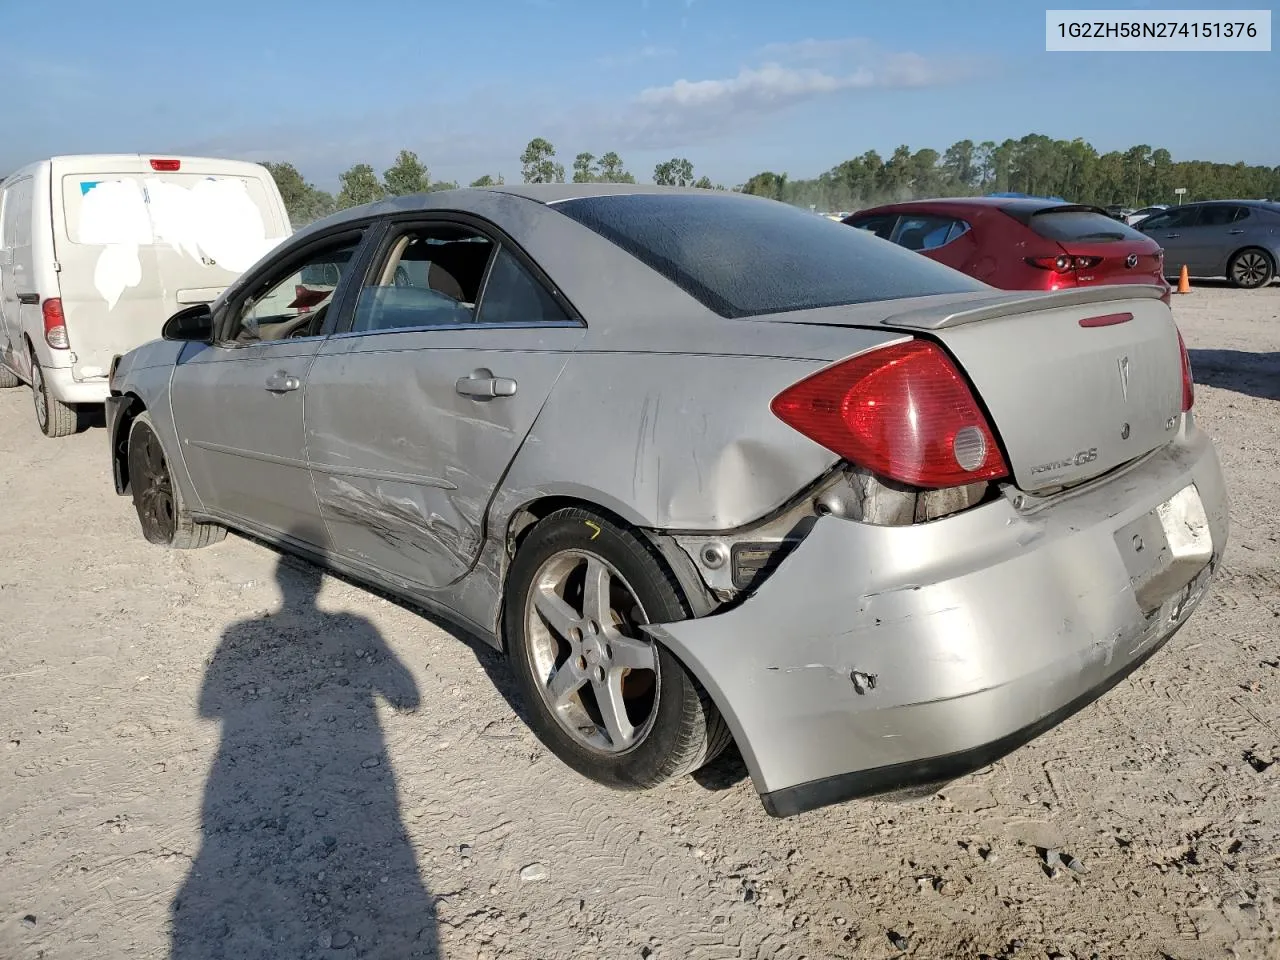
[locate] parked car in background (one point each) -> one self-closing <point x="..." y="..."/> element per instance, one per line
<point x="1119" y="212"/>
<point x="1018" y="243"/>
<point x="1139" y="215"/>
<point x="95" y="251"/>
<point x="707" y="467"/>
<point x="1235" y="239"/>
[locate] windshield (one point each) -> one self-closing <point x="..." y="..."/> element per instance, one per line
<point x="742" y="257"/>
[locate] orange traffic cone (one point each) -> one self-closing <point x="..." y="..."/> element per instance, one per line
<point x="1184" y="281"/>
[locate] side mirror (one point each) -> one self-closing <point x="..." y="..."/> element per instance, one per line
<point x="193" y="324"/>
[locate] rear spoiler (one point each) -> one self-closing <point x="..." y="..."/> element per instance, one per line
<point x="945" y="316"/>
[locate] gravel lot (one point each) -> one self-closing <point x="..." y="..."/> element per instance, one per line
<point x="189" y="741"/>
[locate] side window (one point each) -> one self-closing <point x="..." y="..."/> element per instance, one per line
<point x="926" y="233"/>
<point x="1219" y="216"/>
<point x="513" y="296"/>
<point x="881" y="225"/>
<point x="293" y="301"/>
<point x="431" y="277"/>
<point x="1171" y="219"/>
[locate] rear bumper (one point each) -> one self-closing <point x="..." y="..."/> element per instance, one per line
<point x="877" y="659"/>
<point x="63" y="386"/>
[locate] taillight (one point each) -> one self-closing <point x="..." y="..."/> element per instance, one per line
<point x="55" y="324"/>
<point x="902" y="411"/>
<point x="1064" y="263"/>
<point x="1188" y="384"/>
<point x="168" y="166"/>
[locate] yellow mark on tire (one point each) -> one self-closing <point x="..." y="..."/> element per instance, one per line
<point x="593" y="526"/>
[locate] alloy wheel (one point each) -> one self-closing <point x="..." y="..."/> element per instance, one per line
<point x="38" y="395"/>
<point x="596" y="672"/>
<point x="1250" y="269"/>
<point x="154" y="497"/>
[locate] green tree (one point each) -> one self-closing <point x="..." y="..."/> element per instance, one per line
<point x="676" y="172"/>
<point x="407" y="175"/>
<point x="584" y="168"/>
<point x="538" y="163"/>
<point x="612" y="170"/>
<point x="304" y="202"/>
<point x="359" y="186"/>
<point x="488" y="181"/>
<point x="704" y="183"/>
<point x="959" y="163"/>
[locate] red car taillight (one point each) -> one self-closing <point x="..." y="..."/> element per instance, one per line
<point x="902" y="411"/>
<point x="1064" y="263"/>
<point x="1188" y="384"/>
<point x="55" y="324"/>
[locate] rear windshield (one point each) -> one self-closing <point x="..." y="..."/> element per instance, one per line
<point x="1082" y="225"/>
<point x="742" y="257"/>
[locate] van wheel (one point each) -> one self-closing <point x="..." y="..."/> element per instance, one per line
<point x="606" y="698"/>
<point x="9" y="379"/>
<point x="55" y="418"/>
<point x="164" y="518"/>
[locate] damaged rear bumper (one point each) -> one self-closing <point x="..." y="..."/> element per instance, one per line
<point x="878" y="659"/>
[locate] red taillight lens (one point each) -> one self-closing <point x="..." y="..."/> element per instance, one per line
<point x="1188" y="384"/>
<point x="1064" y="263"/>
<point x="903" y="412"/>
<point x="166" y="165"/>
<point x="55" y="324"/>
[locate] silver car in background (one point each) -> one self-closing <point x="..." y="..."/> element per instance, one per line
<point x="1235" y="239"/>
<point x="707" y="467"/>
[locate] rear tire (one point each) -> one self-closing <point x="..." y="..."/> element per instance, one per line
<point x="53" y="417"/>
<point x="1250" y="269"/>
<point x="627" y="714"/>
<point x="164" y="517"/>
<point x="9" y="379"/>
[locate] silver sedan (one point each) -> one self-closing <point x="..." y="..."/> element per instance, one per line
<point x="708" y="468"/>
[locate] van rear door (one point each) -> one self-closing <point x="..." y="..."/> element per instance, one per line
<point x="137" y="239"/>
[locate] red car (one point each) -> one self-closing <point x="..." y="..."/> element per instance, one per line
<point x="1020" y="244"/>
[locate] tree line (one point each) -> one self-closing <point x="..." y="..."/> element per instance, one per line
<point x="1036" y="164"/>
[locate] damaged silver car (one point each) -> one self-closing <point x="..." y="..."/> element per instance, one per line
<point x="708" y="468"/>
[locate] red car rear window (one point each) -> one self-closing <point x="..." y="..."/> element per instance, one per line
<point x="1082" y="226"/>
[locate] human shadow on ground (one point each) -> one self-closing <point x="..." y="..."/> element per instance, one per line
<point x="303" y="851"/>
<point x="1253" y="374"/>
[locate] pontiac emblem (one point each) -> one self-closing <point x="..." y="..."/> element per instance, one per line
<point x="1131" y="261"/>
<point x="1123" y="364"/>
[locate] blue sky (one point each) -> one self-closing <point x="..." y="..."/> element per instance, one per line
<point x="737" y="86"/>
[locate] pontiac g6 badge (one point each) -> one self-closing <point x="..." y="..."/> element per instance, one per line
<point x="1123" y="364"/>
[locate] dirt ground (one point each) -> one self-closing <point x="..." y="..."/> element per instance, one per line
<point x="193" y="743"/>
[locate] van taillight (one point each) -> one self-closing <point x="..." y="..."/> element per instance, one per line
<point x="902" y="411"/>
<point x="166" y="165"/>
<point x="55" y="324"/>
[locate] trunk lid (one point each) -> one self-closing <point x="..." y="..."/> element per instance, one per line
<point x="1122" y="254"/>
<point x="1076" y="382"/>
<point x="1124" y="262"/>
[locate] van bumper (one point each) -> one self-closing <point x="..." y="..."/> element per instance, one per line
<point x="883" y="659"/>
<point x="62" y="385"/>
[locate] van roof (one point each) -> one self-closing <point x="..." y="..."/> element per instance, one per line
<point x="94" y="160"/>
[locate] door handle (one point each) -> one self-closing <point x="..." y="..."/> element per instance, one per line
<point x="1170" y="236"/>
<point x="1235" y="231"/>
<point x="29" y="298"/>
<point x="281" y="382"/>
<point x="483" y="385"/>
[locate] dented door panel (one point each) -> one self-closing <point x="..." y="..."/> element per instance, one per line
<point x="404" y="460"/>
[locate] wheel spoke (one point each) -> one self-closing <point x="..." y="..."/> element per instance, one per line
<point x="565" y="682"/>
<point x="631" y="653"/>
<point x="595" y="593"/>
<point x="613" y="709"/>
<point x="558" y="615"/>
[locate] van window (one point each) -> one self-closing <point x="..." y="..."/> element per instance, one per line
<point x="16" y="230"/>
<point x="229" y="220"/>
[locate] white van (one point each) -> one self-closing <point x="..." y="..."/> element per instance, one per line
<point x="96" y="252"/>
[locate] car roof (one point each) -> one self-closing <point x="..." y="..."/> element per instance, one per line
<point x="1020" y="208"/>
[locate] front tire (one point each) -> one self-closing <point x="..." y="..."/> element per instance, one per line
<point x="1250" y="269"/>
<point x="604" y="697"/>
<point x="9" y="379"/>
<point x="164" y="517"/>
<point x="55" y="418"/>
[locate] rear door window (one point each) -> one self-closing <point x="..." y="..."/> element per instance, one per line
<point x="1171" y="219"/>
<point x="926" y="232"/>
<point x="1081" y="226"/>
<point x="1220" y="215"/>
